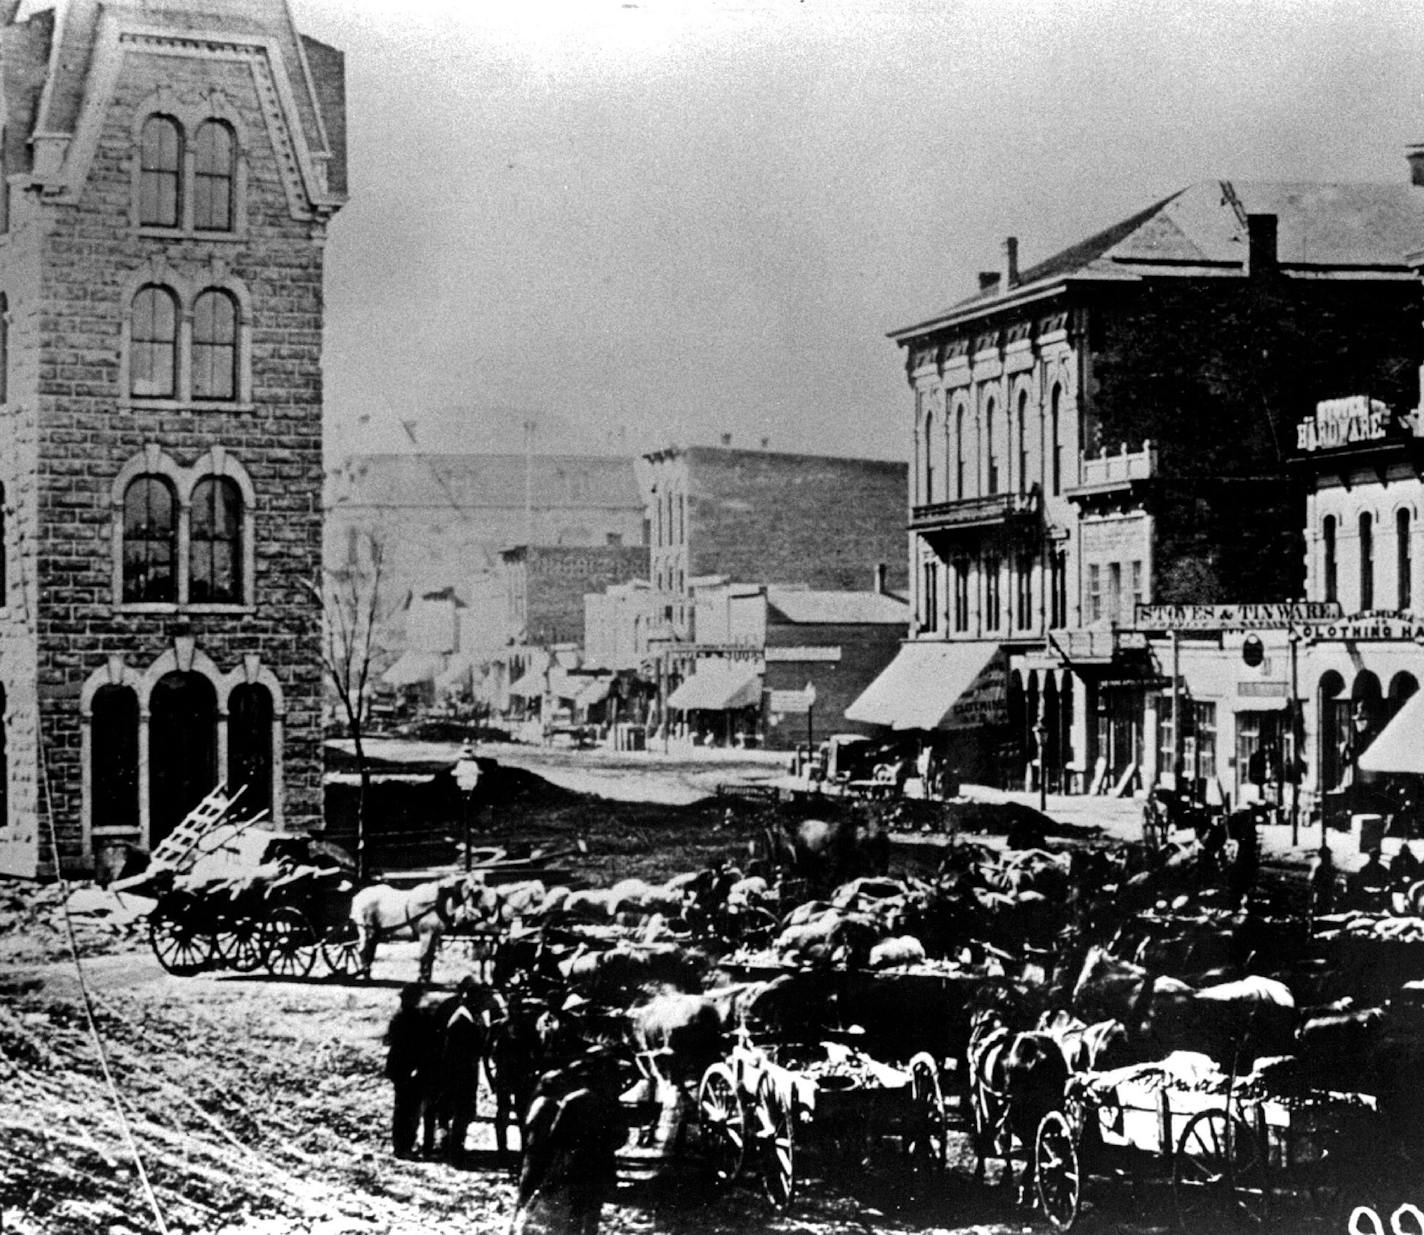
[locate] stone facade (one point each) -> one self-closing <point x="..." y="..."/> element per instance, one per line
<point x="162" y="460"/>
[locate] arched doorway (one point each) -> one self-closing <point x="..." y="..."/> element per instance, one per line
<point x="1401" y="686"/>
<point x="182" y="749"/>
<point x="113" y="758"/>
<point x="249" y="746"/>
<point x="1334" y="713"/>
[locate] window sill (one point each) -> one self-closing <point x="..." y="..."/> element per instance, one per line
<point x="184" y="405"/>
<point x="170" y="608"/>
<point x="148" y="231"/>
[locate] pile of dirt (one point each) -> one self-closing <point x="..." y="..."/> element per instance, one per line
<point x="32" y="925"/>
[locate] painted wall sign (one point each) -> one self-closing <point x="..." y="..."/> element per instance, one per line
<point x="1341" y="422"/>
<point x="1268" y="616"/>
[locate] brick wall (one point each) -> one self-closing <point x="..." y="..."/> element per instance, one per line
<point x="559" y="578"/>
<point x="761" y="517"/>
<point x="865" y="651"/>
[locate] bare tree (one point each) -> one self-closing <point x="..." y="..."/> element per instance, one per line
<point x="351" y="600"/>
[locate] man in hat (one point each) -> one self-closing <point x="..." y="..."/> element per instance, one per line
<point x="467" y="781"/>
<point x="410" y="1049"/>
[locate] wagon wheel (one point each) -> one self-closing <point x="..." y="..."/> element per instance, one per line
<point x="180" y="948"/>
<point x="776" y="1137"/>
<point x="722" y="1122"/>
<point x="239" y="944"/>
<point x="928" y="1144"/>
<point x="340" y="949"/>
<point x="1059" y="1180"/>
<point x="1219" y="1175"/>
<point x="289" y="944"/>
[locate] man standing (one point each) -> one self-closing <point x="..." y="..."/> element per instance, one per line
<point x="467" y="781"/>
<point x="410" y="1049"/>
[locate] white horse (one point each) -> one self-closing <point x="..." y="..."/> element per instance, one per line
<point x="424" y="913"/>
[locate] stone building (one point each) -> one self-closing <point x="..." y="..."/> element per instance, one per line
<point x="170" y="170"/>
<point x="1111" y="428"/>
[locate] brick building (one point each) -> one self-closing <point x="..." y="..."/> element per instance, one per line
<point x="170" y="172"/>
<point x="546" y="585"/>
<point x="1111" y="428"/>
<point x="764" y="517"/>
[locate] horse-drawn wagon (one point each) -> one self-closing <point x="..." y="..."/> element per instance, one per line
<point x="1232" y="1148"/>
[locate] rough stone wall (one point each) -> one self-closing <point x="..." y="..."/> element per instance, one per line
<point x="759" y="517"/>
<point x="89" y="253"/>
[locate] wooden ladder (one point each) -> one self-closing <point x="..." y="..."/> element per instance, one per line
<point x="205" y="816"/>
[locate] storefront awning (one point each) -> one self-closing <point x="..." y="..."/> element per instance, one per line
<point x="1400" y="745"/>
<point x="593" y="690"/>
<point x="718" y="688"/>
<point x="530" y="686"/>
<point x="937" y="686"/>
<point x="413" y="667"/>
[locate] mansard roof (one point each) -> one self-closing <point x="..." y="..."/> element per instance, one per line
<point x="1337" y="231"/>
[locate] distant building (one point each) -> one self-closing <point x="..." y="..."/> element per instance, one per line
<point x="1111" y="428"/>
<point x="766" y="517"/>
<point x="170" y="173"/>
<point x="546" y="584"/>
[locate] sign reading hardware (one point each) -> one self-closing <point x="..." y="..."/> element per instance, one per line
<point x="1340" y="422"/>
<point x="1271" y="615"/>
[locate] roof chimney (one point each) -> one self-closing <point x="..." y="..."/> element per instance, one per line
<point x="988" y="279"/>
<point x="1261" y="254"/>
<point x="882" y="574"/>
<point x="1415" y="155"/>
<point x="1010" y="264"/>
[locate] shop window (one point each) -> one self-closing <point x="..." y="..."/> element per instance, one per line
<point x="160" y="172"/>
<point x="150" y="542"/>
<point x="215" y="542"/>
<point x="1367" y="562"/>
<point x="1402" y="560"/>
<point x="1329" y="564"/>
<point x="214" y="346"/>
<point x="214" y="177"/>
<point x="113" y="758"/>
<point x="153" y="357"/>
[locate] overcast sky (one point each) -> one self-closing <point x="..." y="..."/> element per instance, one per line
<point x="640" y="223"/>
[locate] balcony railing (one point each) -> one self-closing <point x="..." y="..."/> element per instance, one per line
<point x="971" y="512"/>
<point x="1109" y="472"/>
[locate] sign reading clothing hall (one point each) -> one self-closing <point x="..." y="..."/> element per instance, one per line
<point x="1271" y="615"/>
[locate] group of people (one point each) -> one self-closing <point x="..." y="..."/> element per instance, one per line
<point x="1371" y="887"/>
<point x="432" y="1061"/>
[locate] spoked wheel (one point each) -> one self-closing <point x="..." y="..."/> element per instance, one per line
<point x="1219" y="1175"/>
<point x="722" y="1122"/>
<point x="1056" y="1170"/>
<point x="340" y="949"/>
<point x="928" y="1145"/>
<point x="239" y="944"/>
<point x="180" y="948"/>
<point x="289" y="944"/>
<point x="776" y="1136"/>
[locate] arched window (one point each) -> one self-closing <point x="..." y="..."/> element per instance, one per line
<point x="929" y="457"/>
<point x="1022" y="430"/>
<point x="1367" y="562"/>
<point x="1056" y="446"/>
<point x="991" y="448"/>
<point x="160" y="172"/>
<point x="1329" y="567"/>
<point x="215" y="542"/>
<point x="249" y="746"/>
<point x="214" y="346"/>
<point x="150" y="541"/>
<point x="214" y="166"/>
<point x="153" y="358"/>
<point x="113" y="757"/>
<point x="959" y="453"/>
<point x="1404" y="585"/>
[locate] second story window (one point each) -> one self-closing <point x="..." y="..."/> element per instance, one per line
<point x="959" y="491"/>
<point x="213" y="177"/>
<point x="150" y="542"/>
<point x="1021" y="428"/>
<point x="929" y="458"/>
<point x="1329" y="567"/>
<point x="214" y="346"/>
<point x="1058" y="566"/>
<point x="1055" y="476"/>
<point x="1402" y="560"/>
<point x="215" y="542"/>
<point x="1367" y="562"/>
<point x="1095" y="593"/>
<point x="153" y="361"/>
<point x="160" y="173"/>
<point x="961" y="595"/>
<point x="929" y="600"/>
<point x="992" y="612"/>
<point x="991" y="449"/>
<point x="1024" y="616"/>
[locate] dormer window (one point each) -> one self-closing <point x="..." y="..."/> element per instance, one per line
<point x="189" y="174"/>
